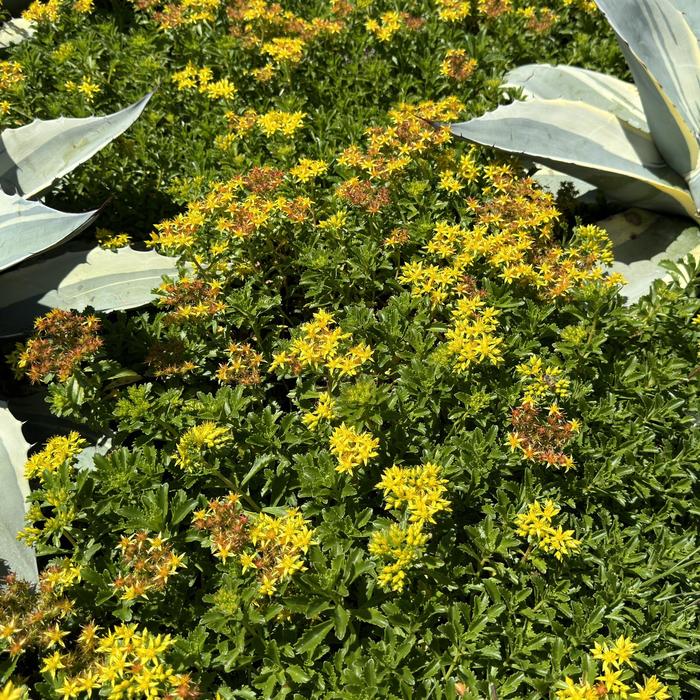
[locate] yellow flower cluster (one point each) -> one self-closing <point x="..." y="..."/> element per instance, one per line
<point x="242" y="365"/>
<point x="419" y="489"/>
<point x="542" y="382"/>
<point x="284" y="49"/>
<point x="390" y="149"/>
<point x="11" y="75"/>
<point x="230" y="211"/>
<point x="511" y="232"/>
<point x="10" y="691"/>
<point x="110" y="240"/>
<point x="59" y="450"/>
<point x="320" y="343"/>
<point x="537" y="524"/>
<point x="86" y="87"/>
<point x="586" y="5"/>
<point x="388" y="24"/>
<point x="279" y="545"/>
<point x="180" y="13"/>
<point x="352" y="448"/>
<point x="269" y="123"/>
<point x="420" y="492"/>
<point x="457" y="65"/>
<point x="308" y="169"/>
<point x="323" y="411"/>
<point x="37" y="617"/>
<point x="614" y="656"/>
<point x="126" y="663"/>
<point x="453" y="10"/>
<point x="193" y="446"/>
<point x="472" y="338"/>
<point x="147" y="563"/>
<point x="202" y="80"/>
<point x="279" y="122"/>
<point x="43" y="11"/>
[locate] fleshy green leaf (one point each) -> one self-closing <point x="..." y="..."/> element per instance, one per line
<point x="104" y="280"/>
<point x="33" y="156"/>
<point x="664" y="58"/>
<point x="28" y="228"/>
<point x="14" y="490"/>
<point x="578" y="84"/>
<point x="588" y="143"/>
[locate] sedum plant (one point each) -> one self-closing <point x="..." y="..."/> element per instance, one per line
<point x="637" y="143"/>
<point x="32" y="157"/>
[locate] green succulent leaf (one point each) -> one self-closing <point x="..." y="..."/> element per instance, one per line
<point x="104" y="280"/>
<point x="587" y="143"/>
<point x="28" y="228"/>
<point x="578" y="84"/>
<point x="34" y="156"/>
<point x="14" y="490"/>
<point x="664" y="58"/>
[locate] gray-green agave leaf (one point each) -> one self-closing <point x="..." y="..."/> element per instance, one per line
<point x="14" y="490"/>
<point x="32" y="157"/>
<point x="646" y="152"/>
<point x="28" y="228"/>
<point x="102" y="279"/>
<point x="664" y="58"/>
<point x="588" y="143"/>
<point x="15" y="31"/>
<point x="541" y="80"/>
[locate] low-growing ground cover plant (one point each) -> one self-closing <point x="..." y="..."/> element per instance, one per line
<point x="392" y="432"/>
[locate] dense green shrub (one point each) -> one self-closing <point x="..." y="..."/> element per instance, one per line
<point x="339" y="442"/>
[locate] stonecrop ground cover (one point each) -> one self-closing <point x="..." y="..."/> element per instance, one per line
<point x="393" y="433"/>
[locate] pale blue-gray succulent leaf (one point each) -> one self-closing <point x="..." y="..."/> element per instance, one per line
<point x="541" y="80"/>
<point x="28" y="228"/>
<point x="691" y="12"/>
<point x="642" y="241"/>
<point x="664" y="58"/>
<point x="102" y="279"/>
<point x="14" y="489"/>
<point x="588" y="143"/>
<point x="15" y="31"/>
<point x="32" y="157"/>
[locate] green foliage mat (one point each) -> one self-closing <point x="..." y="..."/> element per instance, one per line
<point x="393" y="433"/>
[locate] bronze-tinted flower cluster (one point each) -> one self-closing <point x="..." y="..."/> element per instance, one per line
<point x="542" y="438"/>
<point x="63" y="339"/>
<point x="242" y="366"/>
<point x="34" y="617"/>
<point x="146" y="563"/>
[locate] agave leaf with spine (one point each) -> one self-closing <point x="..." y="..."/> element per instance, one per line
<point x="664" y="58"/>
<point x="28" y="228"/>
<point x="33" y="156"/>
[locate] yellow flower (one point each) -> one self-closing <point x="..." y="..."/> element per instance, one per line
<point x="308" y="169"/>
<point x="284" y="49"/>
<point x="352" y="448"/>
<point x="53" y="663"/>
<point x="196" y="441"/>
<point x="12" y="692"/>
<point x="277" y="121"/>
<point x="59" y="450"/>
